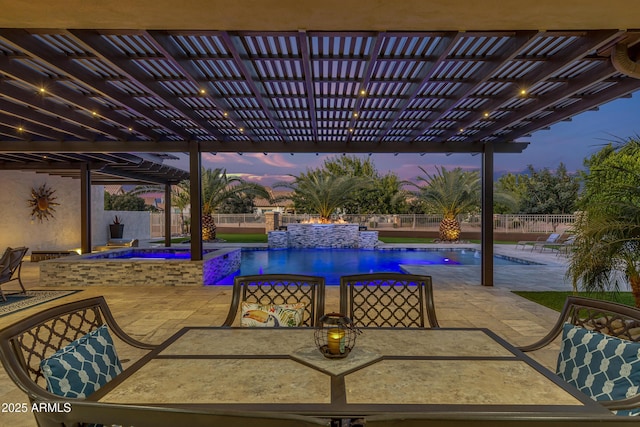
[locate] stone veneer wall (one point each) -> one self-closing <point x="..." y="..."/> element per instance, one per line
<point x="101" y="269"/>
<point x="278" y="239"/>
<point x="323" y="236"/>
<point x="367" y="239"/>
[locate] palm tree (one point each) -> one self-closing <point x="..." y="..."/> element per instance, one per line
<point x="217" y="187"/>
<point x="606" y="251"/>
<point x="181" y="198"/>
<point x="322" y="192"/>
<point x="452" y="193"/>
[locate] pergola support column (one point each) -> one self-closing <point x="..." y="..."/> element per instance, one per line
<point x="195" y="194"/>
<point x="85" y="208"/>
<point x="486" y="235"/>
<point x="167" y="215"/>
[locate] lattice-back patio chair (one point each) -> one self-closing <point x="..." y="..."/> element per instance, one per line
<point x="599" y="352"/>
<point x="388" y="300"/>
<point x="27" y="342"/>
<point x="10" y="268"/>
<point x="279" y="289"/>
<point x="462" y="419"/>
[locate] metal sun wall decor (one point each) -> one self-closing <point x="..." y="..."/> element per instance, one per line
<point x="42" y="202"/>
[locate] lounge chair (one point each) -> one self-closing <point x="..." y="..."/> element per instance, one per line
<point x="562" y="247"/>
<point x="553" y="238"/>
<point x="10" y="267"/>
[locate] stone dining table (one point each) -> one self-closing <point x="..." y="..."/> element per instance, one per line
<point x="471" y="372"/>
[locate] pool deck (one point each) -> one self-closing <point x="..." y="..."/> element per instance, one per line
<point x="459" y="299"/>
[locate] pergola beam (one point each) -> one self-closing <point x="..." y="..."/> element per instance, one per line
<point x="95" y="41"/>
<point x="443" y="49"/>
<point x="305" y="58"/>
<point x="573" y="52"/>
<point x="27" y="43"/>
<point x="517" y="44"/>
<point x="233" y="45"/>
<point x="254" y="147"/>
<point x="619" y="90"/>
<point x="163" y="42"/>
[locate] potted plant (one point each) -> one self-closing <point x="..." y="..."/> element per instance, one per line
<point x="116" y="229"/>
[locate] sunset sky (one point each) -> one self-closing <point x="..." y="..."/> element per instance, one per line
<point x="568" y="142"/>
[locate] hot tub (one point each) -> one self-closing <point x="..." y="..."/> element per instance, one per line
<point x="140" y="267"/>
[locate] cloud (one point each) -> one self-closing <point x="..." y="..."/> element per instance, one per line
<point x="225" y="158"/>
<point x="267" y="180"/>
<point x="274" y="159"/>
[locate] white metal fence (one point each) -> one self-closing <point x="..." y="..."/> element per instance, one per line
<point x="501" y="223"/>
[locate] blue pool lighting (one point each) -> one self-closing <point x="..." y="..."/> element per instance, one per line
<point x="333" y="263"/>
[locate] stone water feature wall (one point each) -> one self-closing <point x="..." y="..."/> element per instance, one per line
<point x="323" y="236"/>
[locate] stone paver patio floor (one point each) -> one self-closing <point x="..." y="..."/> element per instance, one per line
<point x="460" y="302"/>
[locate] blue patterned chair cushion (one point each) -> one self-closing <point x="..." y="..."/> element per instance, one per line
<point x="83" y="366"/>
<point x="599" y="365"/>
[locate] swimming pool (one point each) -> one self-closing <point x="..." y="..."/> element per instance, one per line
<point x="333" y="263"/>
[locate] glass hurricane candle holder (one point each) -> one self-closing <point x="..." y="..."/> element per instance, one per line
<point x="335" y="335"/>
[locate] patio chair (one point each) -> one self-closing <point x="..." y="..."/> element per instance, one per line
<point x="554" y="245"/>
<point x="26" y="343"/>
<point x="10" y="268"/>
<point x="564" y="247"/>
<point x="279" y="289"/>
<point x="452" y="419"/>
<point x="552" y="238"/>
<point x="108" y="414"/>
<point x="388" y="300"/>
<point x="598" y="337"/>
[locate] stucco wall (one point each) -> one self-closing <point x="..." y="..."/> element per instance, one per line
<point x="62" y="232"/>
<point x="18" y="228"/>
<point x="137" y="225"/>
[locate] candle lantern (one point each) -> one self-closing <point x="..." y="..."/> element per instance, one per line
<point x="335" y="335"/>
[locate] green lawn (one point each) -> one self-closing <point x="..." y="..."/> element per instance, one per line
<point x="243" y="238"/>
<point x="555" y="300"/>
<point x="173" y="240"/>
<point x="232" y="238"/>
<point x="405" y="240"/>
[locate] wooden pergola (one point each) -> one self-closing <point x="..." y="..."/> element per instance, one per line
<point x="278" y="76"/>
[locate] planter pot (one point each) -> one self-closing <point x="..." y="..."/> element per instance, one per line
<point x="116" y="230"/>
